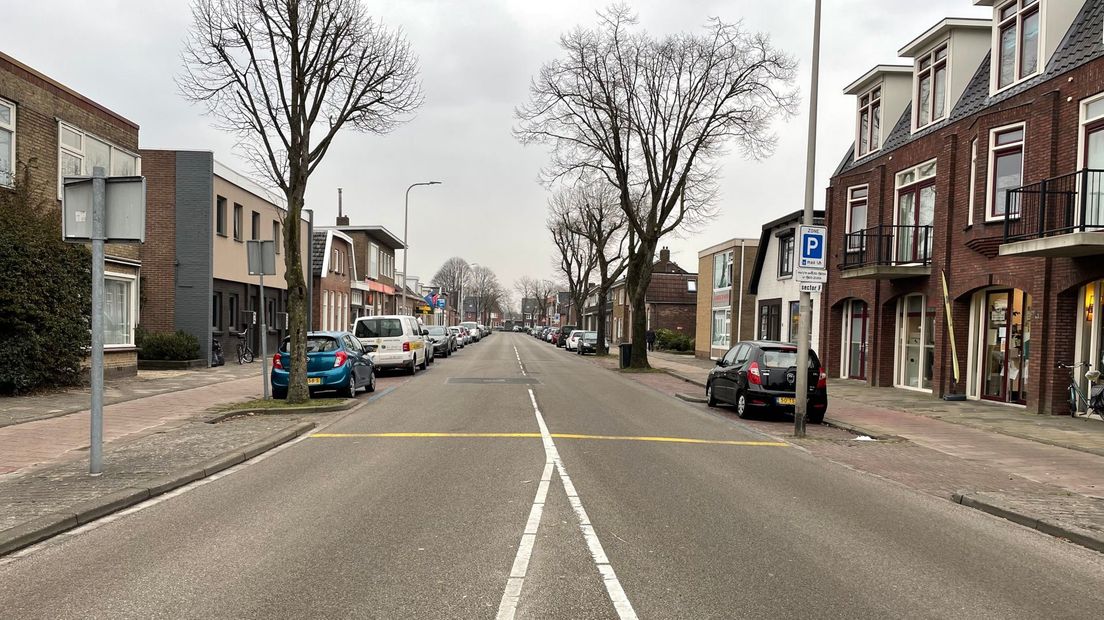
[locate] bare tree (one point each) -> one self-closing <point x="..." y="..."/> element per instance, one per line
<point x="543" y="290"/>
<point x="652" y="116"/>
<point x="286" y="77"/>
<point x="486" y="291"/>
<point x="452" y="275"/>
<point x="576" y="256"/>
<point x="526" y="288"/>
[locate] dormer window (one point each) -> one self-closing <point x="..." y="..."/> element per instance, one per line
<point x="870" y="122"/>
<point x="931" y="87"/>
<point x="1017" y="41"/>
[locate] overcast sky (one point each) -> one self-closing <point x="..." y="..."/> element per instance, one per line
<point x="477" y="57"/>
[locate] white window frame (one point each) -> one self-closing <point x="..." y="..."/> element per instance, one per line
<point x="10" y="127"/>
<point x="946" y="63"/>
<point x="992" y="168"/>
<point x="727" y="336"/>
<point x="730" y="254"/>
<point x="79" y="153"/>
<point x="132" y="281"/>
<point x="1083" y="124"/>
<point x="972" y="201"/>
<point x="994" y="77"/>
<point x="374" y="256"/>
<point x="847" y="216"/>
<point x="870" y="129"/>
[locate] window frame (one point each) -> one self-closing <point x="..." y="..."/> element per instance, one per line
<point x="794" y="327"/>
<point x="931" y="71"/>
<point x="852" y="203"/>
<point x="726" y="258"/>
<point x="996" y="151"/>
<point x="10" y="127"/>
<point x="785" y="248"/>
<point x="1084" y="124"/>
<point x="216" y="315"/>
<point x="1022" y="9"/>
<point x="133" y="309"/>
<point x="239" y="222"/>
<point x="81" y="155"/>
<point x="220" y="215"/>
<point x="276" y="226"/>
<point x="972" y="201"/>
<point x="255" y="225"/>
<point x="726" y="336"/>
<point x="869" y="103"/>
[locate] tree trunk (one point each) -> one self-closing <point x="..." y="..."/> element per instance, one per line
<point x="639" y="276"/>
<point x="297" y="298"/>
<point x="601" y="348"/>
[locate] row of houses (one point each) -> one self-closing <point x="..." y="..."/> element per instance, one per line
<point x="191" y="273"/>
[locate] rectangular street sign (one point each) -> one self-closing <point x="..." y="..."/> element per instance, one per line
<point x="811" y="287"/>
<point x="805" y="274"/>
<point x="812" y="241"/>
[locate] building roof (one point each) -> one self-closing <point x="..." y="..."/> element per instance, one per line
<point x="318" y="251"/>
<point x="52" y="83"/>
<point x="764" y="242"/>
<point x="939" y="32"/>
<point x="671" y="288"/>
<point x="1081" y="44"/>
<point x="727" y="245"/>
<point x="859" y="85"/>
<point x="380" y="233"/>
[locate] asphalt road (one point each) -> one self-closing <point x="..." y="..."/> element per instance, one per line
<point x="349" y="523"/>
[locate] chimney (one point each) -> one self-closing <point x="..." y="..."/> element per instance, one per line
<point x="342" y="220"/>
<point x="665" y="255"/>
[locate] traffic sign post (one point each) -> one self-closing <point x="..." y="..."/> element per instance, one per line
<point x="261" y="256"/>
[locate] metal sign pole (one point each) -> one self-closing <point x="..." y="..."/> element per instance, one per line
<point x="264" y="340"/>
<point x="99" y="229"/>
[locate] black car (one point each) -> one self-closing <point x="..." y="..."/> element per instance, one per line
<point x="762" y="375"/>
<point x="443" y="341"/>
<point x="588" y="343"/>
<point x="565" y="331"/>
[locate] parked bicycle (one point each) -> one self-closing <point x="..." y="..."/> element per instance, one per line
<point x="245" y="353"/>
<point x="1094" y="400"/>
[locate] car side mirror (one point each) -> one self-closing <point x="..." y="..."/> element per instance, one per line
<point x="425" y="332"/>
<point x="721" y="362"/>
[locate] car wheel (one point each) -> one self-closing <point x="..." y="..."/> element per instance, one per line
<point x="425" y="362"/>
<point x="371" y="382"/>
<point x="413" y="366"/>
<point x="710" y="397"/>
<point x="349" y="391"/>
<point x="742" y="407"/>
<point x="815" y="418"/>
<point x="279" y="393"/>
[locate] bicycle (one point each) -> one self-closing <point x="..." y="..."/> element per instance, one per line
<point x="245" y="354"/>
<point x="1094" y="401"/>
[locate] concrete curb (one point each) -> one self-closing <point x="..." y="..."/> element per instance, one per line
<point x="690" y="398"/>
<point x="676" y="375"/>
<point x="223" y="415"/>
<point x="1076" y="535"/>
<point x="860" y="430"/>
<point x="46" y="526"/>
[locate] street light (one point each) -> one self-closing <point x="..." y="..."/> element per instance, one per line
<point x="406" y="225"/>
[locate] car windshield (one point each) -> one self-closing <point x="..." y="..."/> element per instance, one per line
<point x="315" y="344"/>
<point x="437" y="331"/>
<point x="455" y="330"/>
<point x="379" y="328"/>
<point x="590" y="336"/>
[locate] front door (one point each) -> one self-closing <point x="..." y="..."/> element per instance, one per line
<point x="1094" y="162"/>
<point x="1006" y="348"/>
<point x="857" y="336"/>
<point x="915" y="214"/>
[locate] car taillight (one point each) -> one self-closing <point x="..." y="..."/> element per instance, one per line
<point x="278" y="362"/>
<point x="406" y="347"/>
<point x="340" y="358"/>
<point x="753" y="374"/>
<point x="822" y="380"/>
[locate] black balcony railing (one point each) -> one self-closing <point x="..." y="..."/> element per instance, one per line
<point x="1070" y="203"/>
<point x="889" y="246"/>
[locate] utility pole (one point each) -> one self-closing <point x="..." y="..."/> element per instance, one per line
<point x="99" y="236"/>
<point x="406" y="226"/>
<point x="801" y="402"/>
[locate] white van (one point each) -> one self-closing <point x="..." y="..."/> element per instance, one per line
<point x="398" y="341"/>
<point x="473" y="327"/>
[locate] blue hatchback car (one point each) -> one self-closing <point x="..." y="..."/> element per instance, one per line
<point x="335" y="361"/>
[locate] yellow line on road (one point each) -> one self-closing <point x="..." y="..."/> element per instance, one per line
<point x="717" y="442"/>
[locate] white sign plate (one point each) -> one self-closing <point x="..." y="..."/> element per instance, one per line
<point x="812" y="241"/>
<point x="810" y="287"/>
<point x="805" y="274"/>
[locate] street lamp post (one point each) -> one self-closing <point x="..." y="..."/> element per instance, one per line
<point x="406" y="225"/>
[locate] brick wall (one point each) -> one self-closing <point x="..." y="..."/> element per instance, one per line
<point x="159" y="251"/>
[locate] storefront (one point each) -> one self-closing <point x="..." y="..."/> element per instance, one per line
<point x="856" y="338"/>
<point x="1000" y="329"/>
<point x="915" y="344"/>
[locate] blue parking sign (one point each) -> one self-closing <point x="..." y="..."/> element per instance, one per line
<point x="811" y="243"/>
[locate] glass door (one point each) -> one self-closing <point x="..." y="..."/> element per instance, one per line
<point x="1094" y="160"/>
<point x="993" y="348"/>
<point x="915" y="214"/>
<point x="856" y="350"/>
<point x="915" y="343"/>
<point x="1006" y="349"/>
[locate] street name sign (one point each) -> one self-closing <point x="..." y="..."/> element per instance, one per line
<point x="810" y="287"/>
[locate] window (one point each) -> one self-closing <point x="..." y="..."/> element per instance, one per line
<point x="270" y="313"/>
<point x="785" y="256"/>
<point x="722" y="321"/>
<point x="238" y="214"/>
<point x="80" y="152"/>
<point x="1017" y="42"/>
<point x="870" y="122"/>
<point x="973" y="183"/>
<point x="7" y="142"/>
<point x="255" y="226"/>
<point x="857" y="198"/>
<point x="373" y="260"/>
<point x="795" y="320"/>
<point x="722" y="270"/>
<point x="915" y="213"/>
<point x="1006" y="147"/>
<point x="118" y="325"/>
<point x="220" y="216"/>
<point x="931" y="87"/>
<point x="333" y="260"/>
<point x="232" y="306"/>
<point x="276" y="235"/>
<point x="770" y="320"/>
<point x="692" y="286"/>
<point x="216" y="312"/>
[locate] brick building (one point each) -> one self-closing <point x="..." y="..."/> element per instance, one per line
<point x="334" y="271"/>
<point x="374" y="259"/>
<point x="670" y="302"/>
<point x="199" y="215"/>
<point x="53" y="131"/>
<point x="979" y="163"/>
<point x="723" y="293"/>
<point x="772" y="282"/>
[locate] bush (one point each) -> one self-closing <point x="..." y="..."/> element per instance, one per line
<point x="177" y="346"/>
<point x="671" y="340"/>
<point x="45" y="294"/>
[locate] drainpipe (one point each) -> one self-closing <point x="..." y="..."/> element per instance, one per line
<point x="740" y="297"/>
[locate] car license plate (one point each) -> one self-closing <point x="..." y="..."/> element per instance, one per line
<point x="786" y="400"/>
<point x="318" y="381"/>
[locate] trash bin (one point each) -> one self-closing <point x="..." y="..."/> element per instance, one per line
<point x="626" y="354"/>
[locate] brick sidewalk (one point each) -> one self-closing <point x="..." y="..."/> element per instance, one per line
<point x="43" y="441"/>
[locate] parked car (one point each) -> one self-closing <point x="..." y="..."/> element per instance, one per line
<point x="442" y="340"/>
<point x="398" y="341"/>
<point x="472" y="327"/>
<point x="762" y="375"/>
<point x="588" y="343"/>
<point x="458" y="336"/>
<point x="564" y="332"/>
<point x="573" y="339"/>
<point x="335" y="361"/>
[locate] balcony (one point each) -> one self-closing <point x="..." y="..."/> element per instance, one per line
<point x="1062" y="216"/>
<point x="887" y="253"/>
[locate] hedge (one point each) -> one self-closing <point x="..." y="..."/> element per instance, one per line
<point x="671" y="340"/>
<point x="173" y="346"/>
